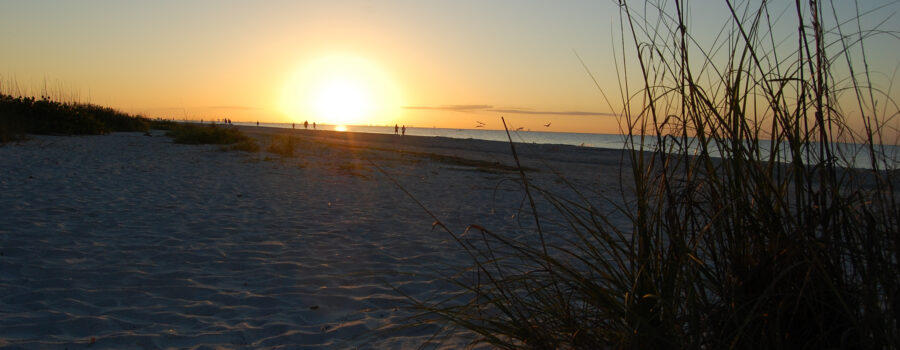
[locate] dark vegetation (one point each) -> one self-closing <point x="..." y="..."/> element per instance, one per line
<point x="230" y="138"/>
<point x="26" y="115"/>
<point x="726" y="244"/>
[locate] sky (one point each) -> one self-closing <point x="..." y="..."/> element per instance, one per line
<point x="452" y="64"/>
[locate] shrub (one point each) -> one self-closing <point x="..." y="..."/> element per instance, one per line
<point x="197" y="134"/>
<point x="21" y="115"/>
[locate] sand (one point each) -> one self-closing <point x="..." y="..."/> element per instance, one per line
<point x="127" y="241"/>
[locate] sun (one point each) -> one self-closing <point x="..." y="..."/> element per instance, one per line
<point x="341" y="90"/>
<point x="342" y="99"/>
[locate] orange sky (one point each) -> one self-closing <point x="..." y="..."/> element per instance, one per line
<point x="422" y="63"/>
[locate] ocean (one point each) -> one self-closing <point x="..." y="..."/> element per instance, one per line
<point x="556" y="138"/>
<point x="855" y="155"/>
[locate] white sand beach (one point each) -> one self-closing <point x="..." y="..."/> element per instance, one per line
<point x="127" y="241"/>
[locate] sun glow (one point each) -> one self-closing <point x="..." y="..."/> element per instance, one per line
<point x="341" y="90"/>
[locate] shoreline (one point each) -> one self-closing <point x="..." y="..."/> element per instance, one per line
<point x="482" y="149"/>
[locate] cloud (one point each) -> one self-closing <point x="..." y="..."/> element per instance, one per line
<point x="490" y="108"/>
<point x="453" y="108"/>
<point x="572" y="113"/>
<point x="243" y="108"/>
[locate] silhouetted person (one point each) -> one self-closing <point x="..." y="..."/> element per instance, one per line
<point x="293" y="125"/>
<point x="314" y="125"/>
<point x="305" y="124"/>
<point x="404" y="130"/>
<point x="396" y="129"/>
<point x="257" y="123"/>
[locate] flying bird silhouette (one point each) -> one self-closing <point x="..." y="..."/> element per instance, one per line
<point x="548" y="124"/>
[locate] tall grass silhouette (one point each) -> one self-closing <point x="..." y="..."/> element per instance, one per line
<point x="28" y="115"/>
<point x="747" y="227"/>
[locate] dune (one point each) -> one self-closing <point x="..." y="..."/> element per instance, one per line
<point x="127" y="241"/>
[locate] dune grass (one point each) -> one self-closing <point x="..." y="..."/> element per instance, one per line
<point x="230" y="138"/>
<point x="27" y="115"/>
<point x="746" y="226"/>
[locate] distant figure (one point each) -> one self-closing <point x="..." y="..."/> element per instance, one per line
<point x="396" y="129"/>
<point x="314" y="125"/>
<point x="293" y="125"/>
<point x="257" y="123"/>
<point x="404" y="130"/>
<point x="305" y="124"/>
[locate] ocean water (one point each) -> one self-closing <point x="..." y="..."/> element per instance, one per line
<point x="556" y="138"/>
<point x="855" y="155"/>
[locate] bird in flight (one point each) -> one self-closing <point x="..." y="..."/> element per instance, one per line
<point x="548" y="124"/>
<point x="480" y="124"/>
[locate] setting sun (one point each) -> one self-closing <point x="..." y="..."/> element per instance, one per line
<point x="341" y="90"/>
<point x="342" y="99"/>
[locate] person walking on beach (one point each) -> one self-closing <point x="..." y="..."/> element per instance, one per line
<point x="314" y="125"/>
<point x="404" y="130"/>
<point x="293" y="125"/>
<point x="257" y="123"/>
<point x="306" y="124"/>
<point x="396" y="129"/>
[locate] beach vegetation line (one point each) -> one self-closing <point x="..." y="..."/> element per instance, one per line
<point x="28" y="115"/>
<point x="21" y="115"/>
<point x="230" y="138"/>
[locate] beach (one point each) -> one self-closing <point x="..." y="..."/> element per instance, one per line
<point x="129" y="241"/>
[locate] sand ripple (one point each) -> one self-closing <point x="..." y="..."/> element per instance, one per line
<point x="138" y="243"/>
